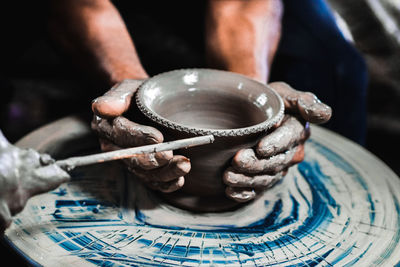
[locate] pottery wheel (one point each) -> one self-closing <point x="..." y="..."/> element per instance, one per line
<point x="340" y="206"/>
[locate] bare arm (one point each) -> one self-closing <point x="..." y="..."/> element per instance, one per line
<point x="242" y="36"/>
<point x="93" y="33"/>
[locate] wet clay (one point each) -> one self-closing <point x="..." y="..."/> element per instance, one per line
<point x="235" y="109"/>
<point x="23" y="174"/>
<point x="120" y="132"/>
<point x="211" y="109"/>
<point x="305" y="104"/>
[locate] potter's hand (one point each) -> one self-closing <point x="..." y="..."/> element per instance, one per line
<point x="23" y="174"/>
<point x="160" y="171"/>
<point x="254" y="170"/>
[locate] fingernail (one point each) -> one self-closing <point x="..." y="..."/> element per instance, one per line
<point x="231" y="178"/>
<point x="315" y="110"/>
<point x="243" y="196"/>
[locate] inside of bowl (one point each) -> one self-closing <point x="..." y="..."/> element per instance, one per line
<point x="211" y="109"/>
<point x="209" y="99"/>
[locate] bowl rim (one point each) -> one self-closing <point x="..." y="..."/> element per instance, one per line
<point x="263" y="126"/>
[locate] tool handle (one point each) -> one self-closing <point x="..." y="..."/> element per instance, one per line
<point x="70" y="163"/>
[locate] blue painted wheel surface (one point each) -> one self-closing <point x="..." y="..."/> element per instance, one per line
<point x="341" y="206"/>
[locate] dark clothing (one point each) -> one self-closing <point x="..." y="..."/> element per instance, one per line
<point x="314" y="56"/>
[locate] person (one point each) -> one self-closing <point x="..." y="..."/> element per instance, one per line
<point x="241" y="36"/>
<point x="314" y="55"/>
<point x="24" y="173"/>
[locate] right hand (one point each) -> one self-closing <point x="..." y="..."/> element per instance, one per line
<point x="161" y="171"/>
<point x="253" y="170"/>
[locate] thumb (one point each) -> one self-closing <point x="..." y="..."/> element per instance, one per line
<point x="306" y="104"/>
<point x="117" y="100"/>
<point x="46" y="178"/>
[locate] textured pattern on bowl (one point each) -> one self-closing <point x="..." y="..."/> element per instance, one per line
<point x="189" y="81"/>
<point x="237" y="110"/>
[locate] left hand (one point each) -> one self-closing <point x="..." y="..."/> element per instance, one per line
<point x="23" y="174"/>
<point x="162" y="171"/>
<point x="256" y="169"/>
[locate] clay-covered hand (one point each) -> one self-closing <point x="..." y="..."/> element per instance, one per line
<point x="255" y="169"/>
<point x="23" y="174"/>
<point x="161" y="171"/>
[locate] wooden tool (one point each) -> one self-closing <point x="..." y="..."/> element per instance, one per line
<point x="70" y="163"/>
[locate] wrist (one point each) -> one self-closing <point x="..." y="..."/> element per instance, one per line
<point x="243" y="36"/>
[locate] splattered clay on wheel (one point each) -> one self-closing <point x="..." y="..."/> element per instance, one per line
<point x="340" y="206"/>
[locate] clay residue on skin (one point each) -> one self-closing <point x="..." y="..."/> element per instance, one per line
<point x="290" y="133"/>
<point x="236" y="179"/>
<point x="279" y="150"/>
<point x="240" y="195"/>
<point x="246" y="161"/>
<point x="313" y="109"/>
<point x="150" y="161"/>
<point x="121" y="133"/>
<point x="167" y="178"/>
<point x="304" y="103"/>
<point x="23" y="174"/>
<point x="161" y="171"/>
<point x="168" y="187"/>
<point x="117" y="132"/>
<point x="117" y="100"/>
<point x="126" y="133"/>
<point x="268" y="163"/>
<point x="176" y="167"/>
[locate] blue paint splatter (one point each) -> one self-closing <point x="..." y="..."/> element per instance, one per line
<point x="239" y="245"/>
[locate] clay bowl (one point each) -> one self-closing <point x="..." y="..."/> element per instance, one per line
<point x="237" y="110"/>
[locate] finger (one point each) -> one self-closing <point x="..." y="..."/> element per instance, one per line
<point x="45" y="179"/>
<point x="290" y="133"/>
<point x="304" y="103"/>
<point x="298" y="154"/>
<point x="176" y="167"/>
<point x="148" y="161"/>
<point x="247" y="162"/>
<point x="117" y="100"/>
<point x="240" y="194"/>
<point x="126" y="133"/>
<point x="5" y="216"/>
<point x="30" y="158"/>
<point x="168" y="187"/>
<point x="233" y="178"/>
<point x="46" y="159"/>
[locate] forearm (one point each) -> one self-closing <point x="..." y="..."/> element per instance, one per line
<point x="242" y="36"/>
<point x="93" y="33"/>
